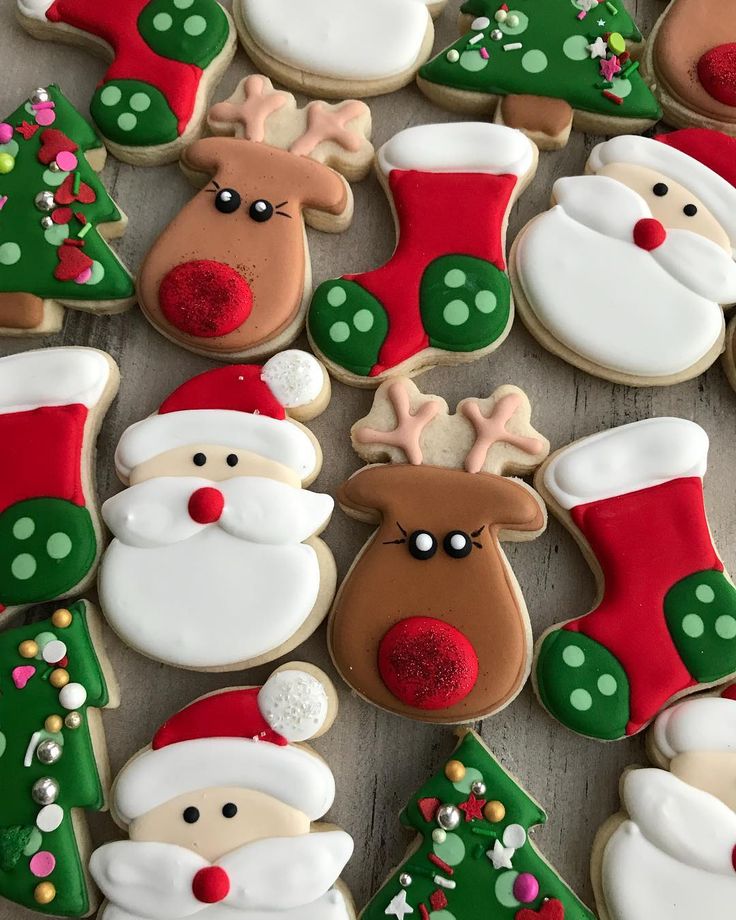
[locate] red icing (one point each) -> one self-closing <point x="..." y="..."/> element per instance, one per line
<point x="65" y="194"/>
<point x="645" y="542"/>
<point x="427" y="663"/>
<point x="473" y="808"/>
<point x="238" y="388"/>
<point x="729" y="693"/>
<point x="27" y="130"/>
<point x="714" y="149"/>
<point x="717" y="73"/>
<point x="54" y="142"/>
<point x="62" y="215"/>
<point x="550" y="910"/>
<point x="72" y="262"/>
<point x="440" y="863"/>
<point x="649" y="233"/>
<point x="211" y="885"/>
<point x="206" y="505"/>
<point x="437" y="900"/>
<point x="205" y="298"/>
<point x="423" y="912"/>
<point x="733" y="858"/>
<point x="428" y="808"/>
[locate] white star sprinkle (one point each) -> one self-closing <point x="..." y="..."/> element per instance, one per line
<point x="398" y="906"/>
<point x="599" y="48"/>
<point x="500" y="855"/>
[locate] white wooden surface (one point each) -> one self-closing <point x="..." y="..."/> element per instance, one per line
<point x="379" y="760"/>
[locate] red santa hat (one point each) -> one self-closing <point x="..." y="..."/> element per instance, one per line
<point x="237" y="739"/>
<point x="699" y="159"/>
<point x="243" y="406"/>
<point x="704" y="724"/>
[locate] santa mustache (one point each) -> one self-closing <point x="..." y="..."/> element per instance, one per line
<point x="159" y="881"/>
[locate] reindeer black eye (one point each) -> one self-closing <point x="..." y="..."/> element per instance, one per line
<point x="191" y="815"/>
<point x="422" y="545"/>
<point x="457" y="544"/>
<point x="227" y="200"/>
<point x="660" y="189"/>
<point x="261" y="211"/>
<point x="199" y="459"/>
<point x="690" y="210"/>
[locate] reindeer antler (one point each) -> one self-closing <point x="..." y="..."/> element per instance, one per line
<point x="409" y="426"/>
<point x="330" y="123"/>
<point x="260" y="100"/>
<point x="492" y="429"/>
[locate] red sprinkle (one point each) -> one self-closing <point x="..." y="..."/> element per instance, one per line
<point x="27" y="130"/>
<point x="428" y="808"/>
<point x="613" y="97"/>
<point x="437" y="900"/>
<point x="440" y="863"/>
<point x="423" y="912"/>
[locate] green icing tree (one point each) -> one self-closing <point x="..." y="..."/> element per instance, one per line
<point x="482" y="869"/>
<point x="60" y="255"/>
<point x="40" y="863"/>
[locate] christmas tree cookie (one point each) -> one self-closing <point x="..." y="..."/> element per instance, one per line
<point x="167" y="57"/>
<point x="53" y="678"/>
<point x="664" y="624"/>
<point x="55" y="219"/>
<point x="472" y="858"/>
<point x="544" y="67"/>
<point x="444" y="297"/>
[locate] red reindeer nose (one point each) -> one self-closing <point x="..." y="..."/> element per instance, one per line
<point x="205" y="505"/>
<point x="427" y="663"/>
<point x="717" y="73"/>
<point x="205" y="298"/>
<point x="649" y="233"/>
<point x="211" y="885"/>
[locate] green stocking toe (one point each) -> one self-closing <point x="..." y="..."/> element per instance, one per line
<point x="134" y="114"/>
<point x="348" y="325"/>
<point x="190" y="31"/>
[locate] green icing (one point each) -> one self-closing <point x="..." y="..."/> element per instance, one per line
<point x="481" y="892"/>
<point x="23" y="712"/>
<point x="134" y="114"/>
<point x="550" y="61"/>
<point x="193" y="33"/>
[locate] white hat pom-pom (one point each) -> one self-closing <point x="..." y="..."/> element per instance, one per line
<point x="295" y="378"/>
<point x="295" y="704"/>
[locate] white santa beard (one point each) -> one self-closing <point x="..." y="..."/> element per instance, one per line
<point x="212" y="600"/>
<point x="331" y="906"/>
<point x="636" y="320"/>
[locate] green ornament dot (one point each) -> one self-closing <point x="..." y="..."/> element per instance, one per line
<point x="11" y="147"/>
<point x="162" y="22"/>
<point x="456" y="313"/>
<point x="486" y="301"/>
<point x="452" y="851"/>
<point x="693" y="626"/>
<point x="473" y="61"/>
<point x="58" y="545"/>
<point x="56" y="235"/>
<point x="339" y="332"/>
<point x="576" y="48"/>
<point x="23" y="528"/>
<point x="42" y="640"/>
<point x="573" y="656"/>
<point x="471" y="776"/>
<point x="111" y="95"/>
<point x="455" y="278"/>
<point x="505" y="889"/>
<point x="3" y="744"/>
<point x="34" y="843"/>
<point x="195" y="25"/>
<point x="621" y="87"/>
<point x="23" y="567"/>
<point x="98" y="272"/>
<point x="726" y="627"/>
<point x="441" y="915"/>
<point x="363" y="320"/>
<point x="127" y="121"/>
<point x="607" y="684"/>
<point x="522" y="22"/>
<point x="140" y="102"/>
<point x="581" y="700"/>
<point x="183" y="4"/>
<point x="10" y="253"/>
<point x="534" y="61"/>
<point x="336" y="296"/>
<point x="54" y="179"/>
<point x="705" y="594"/>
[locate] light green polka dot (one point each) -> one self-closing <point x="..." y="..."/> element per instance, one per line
<point x="195" y="25"/>
<point x="127" y="121"/>
<point x="705" y="594"/>
<point x="111" y="95"/>
<point x="3" y="745"/>
<point x="452" y="851"/>
<point x="183" y="4"/>
<point x="23" y="528"/>
<point x="56" y="235"/>
<point x="534" y="61"/>
<point x="23" y="567"/>
<point x="471" y="776"/>
<point x="573" y="656"/>
<point x="520" y="27"/>
<point x="485" y="301"/>
<point x="162" y="22"/>
<point x="34" y="843"/>
<point x="621" y="87"/>
<point x="336" y="296"/>
<point x="58" y="545"/>
<point x="607" y="684"/>
<point x="11" y="147"/>
<point x="363" y="320"/>
<point x="140" y="102"/>
<point x="54" y="179"/>
<point x="581" y="700"/>
<point x="726" y="627"/>
<point x="339" y="332"/>
<point x="456" y="313"/>
<point x="576" y="48"/>
<point x="441" y="915"/>
<point x="693" y="626"/>
<point x="42" y="640"/>
<point x="472" y="61"/>
<point x="455" y="278"/>
<point x="98" y="273"/>
<point x="10" y="253"/>
<point x="505" y="889"/>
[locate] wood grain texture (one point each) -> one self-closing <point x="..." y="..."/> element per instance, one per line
<point x="378" y="759"/>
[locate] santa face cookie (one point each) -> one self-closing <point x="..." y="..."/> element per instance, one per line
<point x="670" y="854"/>
<point x="430" y="622"/>
<point x="216" y="564"/>
<point x="230" y="276"/>
<point x="334" y="48"/>
<point x="166" y="57"/>
<point x="658" y="215"/>
<point x="219" y="811"/>
<point x="544" y="68"/>
<point x="53" y="678"/>
<point x="52" y="406"/>
<point x="664" y="624"/>
<point x="444" y="297"/>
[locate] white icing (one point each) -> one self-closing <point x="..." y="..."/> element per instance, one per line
<point x="707" y="724"/>
<point x="470" y="146"/>
<point x="52" y="377"/>
<point x="294" y="703"/>
<point x="625" y="459"/>
<point x="342" y="39"/>
<point x="294" y="377"/>
<point x="35" y="9"/>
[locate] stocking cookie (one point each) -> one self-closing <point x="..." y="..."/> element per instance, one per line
<point x="53" y="678"/>
<point x="220" y="810"/>
<point x="664" y="624"/>
<point x="216" y="563"/>
<point x="656" y="215"/>
<point x="545" y="68"/>
<point x="430" y="622"/>
<point x="669" y="854"/>
<point x="53" y="404"/>
<point x="334" y="48"/>
<point x="166" y="57"/>
<point x="230" y="276"/>
<point x="444" y="297"/>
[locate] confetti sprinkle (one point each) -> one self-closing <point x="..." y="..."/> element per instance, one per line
<point x="512" y="46"/>
<point x="613" y="97"/>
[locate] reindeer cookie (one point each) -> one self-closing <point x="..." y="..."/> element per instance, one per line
<point x="430" y="622"/>
<point x="230" y="276"/>
<point x="166" y="58"/>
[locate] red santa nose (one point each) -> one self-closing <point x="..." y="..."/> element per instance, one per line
<point x="205" y="505"/>
<point x="211" y="885"/>
<point x="649" y="233"/>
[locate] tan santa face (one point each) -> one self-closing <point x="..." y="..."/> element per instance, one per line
<point x="712" y="771"/>
<point x="213" y="822"/>
<point x="214" y="462"/>
<point x="671" y="203"/>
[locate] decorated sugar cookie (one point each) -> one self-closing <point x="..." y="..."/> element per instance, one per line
<point x="230" y="277"/>
<point x="430" y="622"/>
<point x="167" y="56"/>
<point x="216" y="562"/>
<point x="544" y="67"/>
<point x="690" y="57"/>
<point x="642" y="250"/>
<point x="56" y="218"/>
<point x="53" y="678"/>
<point x="334" y="48"/>
<point x="444" y="297"/>
<point x="220" y="807"/>
<point x="664" y="623"/>
<point x="670" y="854"/>
<point x="473" y="857"/>
<point x="52" y="403"/>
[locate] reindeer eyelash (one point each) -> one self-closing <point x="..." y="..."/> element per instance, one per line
<point x="216" y="188"/>
<point x="476" y="533"/>
<point x="282" y="213"/>
<point x="397" y="542"/>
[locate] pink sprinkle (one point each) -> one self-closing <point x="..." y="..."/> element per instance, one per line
<point x="582" y="14"/>
<point x="45" y="117"/>
<point x="84" y="277"/>
<point x="43" y="864"/>
<point x="526" y="888"/>
<point x="6" y="133"/>
<point x="22" y="674"/>
<point x="37" y="106"/>
<point x="66" y="161"/>
<point x="3" y="201"/>
<point x="484" y="54"/>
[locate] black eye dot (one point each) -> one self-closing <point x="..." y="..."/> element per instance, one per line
<point x="422" y="545"/>
<point x="232" y="460"/>
<point x="199" y="459"/>
<point x="690" y="210"/>
<point x="660" y="190"/>
<point x="227" y="200"/>
<point x="191" y="815"/>
<point x="229" y="810"/>
<point x="457" y="544"/>
<point x="261" y="210"/>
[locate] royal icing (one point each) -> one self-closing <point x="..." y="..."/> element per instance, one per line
<point x="444" y="290"/>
